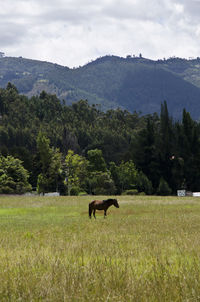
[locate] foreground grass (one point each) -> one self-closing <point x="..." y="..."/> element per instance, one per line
<point x="147" y="250"/>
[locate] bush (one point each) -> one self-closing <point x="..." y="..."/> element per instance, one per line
<point x="82" y="193"/>
<point x="100" y="183"/>
<point x="142" y="193"/>
<point x="144" y="184"/>
<point x="130" y="192"/>
<point x="75" y="190"/>
<point x="163" y="188"/>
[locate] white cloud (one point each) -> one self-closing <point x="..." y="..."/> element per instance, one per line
<point x="72" y="32"/>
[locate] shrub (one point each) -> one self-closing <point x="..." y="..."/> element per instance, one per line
<point x="100" y="183"/>
<point x="144" y="184"/>
<point x="82" y="193"/>
<point x="142" y="193"/>
<point x="13" y="176"/>
<point x="163" y="188"/>
<point x="75" y="190"/>
<point x="130" y="192"/>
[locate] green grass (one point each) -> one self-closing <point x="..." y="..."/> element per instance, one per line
<point x="147" y="250"/>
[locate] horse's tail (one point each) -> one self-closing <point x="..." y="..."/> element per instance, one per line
<point x="90" y="210"/>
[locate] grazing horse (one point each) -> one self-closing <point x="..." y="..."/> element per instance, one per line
<point x="101" y="205"/>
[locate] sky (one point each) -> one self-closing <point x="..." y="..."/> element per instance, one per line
<point x="74" y="32"/>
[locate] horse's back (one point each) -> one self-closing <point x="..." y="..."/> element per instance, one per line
<point x="98" y="204"/>
<point x="93" y="203"/>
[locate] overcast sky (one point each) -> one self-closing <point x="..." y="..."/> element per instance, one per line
<point x="74" y="32"/>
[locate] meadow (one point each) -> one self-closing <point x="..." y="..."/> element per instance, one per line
<point x="147" y="250"/>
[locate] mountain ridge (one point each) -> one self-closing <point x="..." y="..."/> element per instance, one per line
<point x="132" y="83"/>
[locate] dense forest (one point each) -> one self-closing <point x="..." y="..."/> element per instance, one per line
<point x="79" y="149"/>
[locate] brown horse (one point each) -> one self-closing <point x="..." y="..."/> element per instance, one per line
<point x="101" y="205"/>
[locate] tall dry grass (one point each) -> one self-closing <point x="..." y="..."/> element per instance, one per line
<point x="147" y="250"/>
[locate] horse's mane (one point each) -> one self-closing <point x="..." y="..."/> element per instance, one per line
<point x="109" y="199"/>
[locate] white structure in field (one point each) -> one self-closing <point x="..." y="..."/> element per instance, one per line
<point x="181" y="193"/>
<point x="196" y="194"/>
<point x="52" y="194"/>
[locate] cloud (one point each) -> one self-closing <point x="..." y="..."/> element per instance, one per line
<point x="11" y="34"/>
<point x="191" y="9"/>
<point x="72" y="32"/>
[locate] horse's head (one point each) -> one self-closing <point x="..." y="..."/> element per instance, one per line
<point x="115" y="203"/>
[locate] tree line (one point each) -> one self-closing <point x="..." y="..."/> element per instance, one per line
<point x="79" y="149"/>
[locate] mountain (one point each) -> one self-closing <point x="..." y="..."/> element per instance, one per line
<point x="132" y="83"/>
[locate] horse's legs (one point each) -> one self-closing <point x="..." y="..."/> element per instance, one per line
<point x="105" y="213"/>
<point x="94" y="213"/>
<point x="90" y="211"/>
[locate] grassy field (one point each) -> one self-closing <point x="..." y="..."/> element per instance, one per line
<point x="147" y="250"/>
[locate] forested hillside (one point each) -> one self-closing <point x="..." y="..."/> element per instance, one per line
<point x="79" y="148"/>
<point x="132" y="83"/>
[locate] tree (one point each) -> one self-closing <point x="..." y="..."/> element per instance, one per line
<point x="96" y="161"/>
<point x="100" y="183"/>
<point x="127" y="175"/>
<point x="190" y="151"/>
<point x="50" y="160"/>
<point x="13" y="176"/>
<point x="99" y="179"/>
<point x="45" y="152"/>
<point x="145" y="150"/>
<point x="124" y="175"/>
<point x="11" y="86"/>
<point x="75" y="169"/>
<point x="144" y="184"/>
<point x="165" y="143"/>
